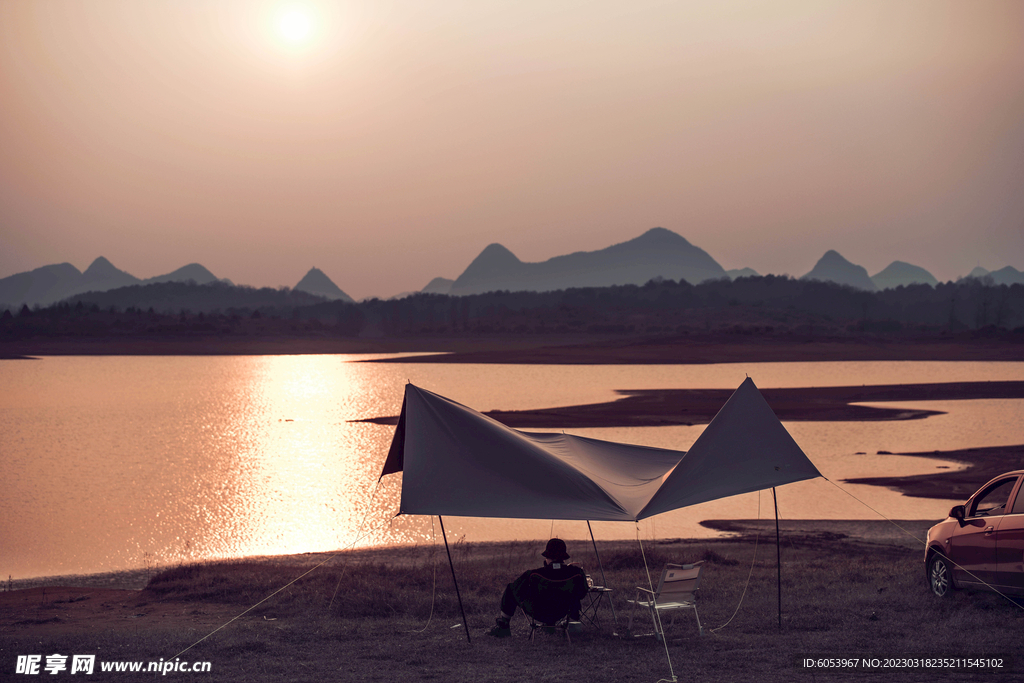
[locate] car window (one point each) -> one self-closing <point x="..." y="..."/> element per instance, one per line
<point x="1018" y="505"/>
<point x="992" y="501"/>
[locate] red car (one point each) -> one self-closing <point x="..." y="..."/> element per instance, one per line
<point x="981" y="543"/>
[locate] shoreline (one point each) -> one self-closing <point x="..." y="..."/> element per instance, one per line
<point x="983" y="464"/>
<point x="555" y="348"/>
<point x="666" y="407"/>
<point x="734" y="348"/>
<point x="796" y="531"/>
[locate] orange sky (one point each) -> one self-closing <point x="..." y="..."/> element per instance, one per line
<point x="400" y="138"/>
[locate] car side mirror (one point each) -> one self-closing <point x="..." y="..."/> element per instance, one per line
<point x="957" y="512"/>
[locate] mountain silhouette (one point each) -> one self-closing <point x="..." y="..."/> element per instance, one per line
<point x="193" y="271"/>
<point x="656" y="253"/>
<point x="495" y="268"/>
<point x="40" y="286"/>
<point x="1004" y="276"/>
<point x="900" y="273"/>
<point x="1007" y="276"/>
<point x="439" y="285"/>
<point x="742" y="272"/>
<point x="316" y="282"/>
<point x="50" y="284"/>
<point x="834" y="268"/>
<point x="101" y="276"/>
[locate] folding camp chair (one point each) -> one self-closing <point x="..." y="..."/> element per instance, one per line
<point x="550" y="602"/>
<point x="677" y="589"/>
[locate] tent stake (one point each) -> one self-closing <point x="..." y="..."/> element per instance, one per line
<point x="604" y="581"/>
<point x="454" y="580"/>
<point x="778" y="554"/>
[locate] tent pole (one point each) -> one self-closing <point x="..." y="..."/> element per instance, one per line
<point x="454" y="580"/>
<point x="778" y="554"/>
<point x="604" y="581"/>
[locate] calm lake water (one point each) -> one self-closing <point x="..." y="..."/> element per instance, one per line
<point x="112" y="463"/>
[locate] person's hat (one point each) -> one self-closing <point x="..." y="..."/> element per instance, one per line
<point x="556" y="551"/>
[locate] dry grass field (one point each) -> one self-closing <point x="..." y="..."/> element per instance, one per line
<point x="392" y="615"/>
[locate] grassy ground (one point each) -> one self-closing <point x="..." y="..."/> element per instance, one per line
<point x="392" y="615"/>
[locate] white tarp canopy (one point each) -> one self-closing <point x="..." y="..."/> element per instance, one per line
<point x="456" y="461"/>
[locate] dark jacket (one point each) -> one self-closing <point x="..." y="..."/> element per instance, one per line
<point x="518" y="592"/>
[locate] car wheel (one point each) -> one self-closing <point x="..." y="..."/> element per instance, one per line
<point x="940" y="575"/>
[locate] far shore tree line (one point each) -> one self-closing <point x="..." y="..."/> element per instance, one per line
<point x="748" y="305"/>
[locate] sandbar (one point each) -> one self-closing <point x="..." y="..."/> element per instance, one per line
<point x="663" y="407"/>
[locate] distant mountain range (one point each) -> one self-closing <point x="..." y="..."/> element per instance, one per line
<point x="1003" y="276"/>
<point x="834" y="268"/>
<point x="662" y="253"/>
<point x="49" y="284"/>
<point x="657" y="253"/>
<point x="899" y="273"/>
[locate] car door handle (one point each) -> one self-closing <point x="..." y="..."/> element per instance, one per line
<point x="989" y="530"/>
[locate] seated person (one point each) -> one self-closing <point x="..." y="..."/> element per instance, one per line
<point x="555" y="555"/>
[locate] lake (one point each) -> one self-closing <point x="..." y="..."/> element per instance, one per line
<point x="113" y="463"/>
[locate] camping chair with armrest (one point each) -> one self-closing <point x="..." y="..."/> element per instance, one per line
<point x="677" y="589"/>
<point x="549" y="602"/>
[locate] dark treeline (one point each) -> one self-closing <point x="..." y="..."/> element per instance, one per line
<point x="172" y="297"/>
<point x="770" y="304"/>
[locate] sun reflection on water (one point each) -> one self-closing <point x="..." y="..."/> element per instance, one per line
<point x="294" y="470"/>
<point x="301" y="473"/>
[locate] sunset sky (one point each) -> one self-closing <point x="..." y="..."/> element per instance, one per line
<point x="389" y="141"/>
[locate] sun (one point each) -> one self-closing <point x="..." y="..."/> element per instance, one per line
<point x="295" y="25"/>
